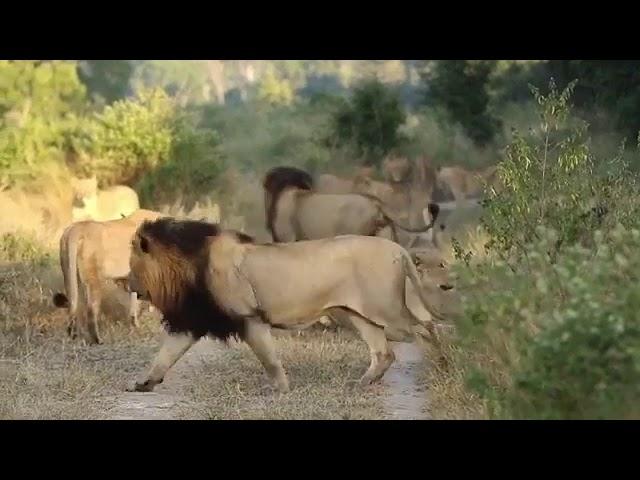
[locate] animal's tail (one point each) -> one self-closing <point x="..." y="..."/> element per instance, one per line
<point x="69" y="265"/>
<point x="412" y="273"/>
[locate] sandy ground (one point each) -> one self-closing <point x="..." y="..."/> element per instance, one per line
<point x="404" y="397"/>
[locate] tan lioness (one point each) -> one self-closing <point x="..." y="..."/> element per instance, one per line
<point x="329" y="183"/>
<point x="208" y="281"/>
<point x="464" y="184"/>
<point x="432" y="267"/>
<point x="113" y="203"/>
<point x="90" y="254"/>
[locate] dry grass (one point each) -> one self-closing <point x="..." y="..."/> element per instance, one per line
<point x="44" y="374"/>
<point x="319" y="364"/>
<point x="42" y="211"/>
<point x="50" y="377"/>
<point x="449" y="398"/>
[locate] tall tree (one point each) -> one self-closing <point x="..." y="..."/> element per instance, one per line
<point x="216" y="75"/>
<point x="369" y="120"/>
<point x="106" y="80"/>
<point x="461" y="88"/>
<point x="609" y="85"/>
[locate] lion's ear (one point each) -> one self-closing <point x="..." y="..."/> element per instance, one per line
<point x="144" y="244"/>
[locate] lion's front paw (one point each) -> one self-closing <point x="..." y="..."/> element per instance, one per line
<point x="141" y="387"/>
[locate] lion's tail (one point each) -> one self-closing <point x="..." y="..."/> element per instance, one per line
<point x="412" y="273"/>
<point x="69" y="265"/>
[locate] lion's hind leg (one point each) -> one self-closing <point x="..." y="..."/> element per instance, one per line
<point x="258" y="337"/>
<point x="78" y="314"/>
<point x="94" y="299"/>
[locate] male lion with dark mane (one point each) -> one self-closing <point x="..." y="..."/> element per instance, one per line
<point x="294" y="211"/>
<point x="209" y="281"/>
<point x="91" y="253"/>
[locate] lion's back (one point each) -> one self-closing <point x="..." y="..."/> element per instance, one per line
<point x="116" y="202"/>
<point x="328" y="183"/>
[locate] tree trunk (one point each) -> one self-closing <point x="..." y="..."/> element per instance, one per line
<point x="216" y="75"/>
<point x="248" y="74"/>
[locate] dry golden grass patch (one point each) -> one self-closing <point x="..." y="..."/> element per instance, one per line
<point x="43" y="373"/>
<point x="320" y="363"/>
<point x="448" y="396"/>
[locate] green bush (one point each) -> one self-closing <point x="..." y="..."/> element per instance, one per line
<point x="461" y="89"/>
<point x="563" y="337"/>
<point x="39" y="101"/>
<point x="549" y="326"/>
<point x="255" y="139"/>
<point x="19" y="248"/>
<point x="275" y="91"/>
<point x="368" y="122"/>
<point x="194" y="163"/>
<point x="551" y="178"/>
<point x="427" y="132"/>
<point x="126" y="139"/>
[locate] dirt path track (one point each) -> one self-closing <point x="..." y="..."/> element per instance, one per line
<point x="403" y="398"/>
<point x="168" y="397"/>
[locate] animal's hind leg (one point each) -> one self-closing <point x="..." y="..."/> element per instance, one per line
<point x="94" y="299"/>
<point x="382" y="355"/>
<point x="78" y="315"/>
<point x="258" y="337"/>
<point x="72" y="326"/>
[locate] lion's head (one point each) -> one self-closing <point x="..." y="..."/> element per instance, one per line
<point x="84" y="191"/>
<point x="432" y="265"/>
<point x="438" y="281"/>
<point x="397" y="169"/>
<point x="168" y="265"/>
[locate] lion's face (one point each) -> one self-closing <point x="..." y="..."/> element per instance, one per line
<point x="140" y="263"/>
<point x="84" y="188"/>
<point x="157" y="273"/>
<point x="397" y="169"/>
<point x="434" y="268"/>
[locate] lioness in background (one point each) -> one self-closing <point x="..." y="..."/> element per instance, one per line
<point x="90" y="254"/>
<point x="208" y="281"/>
<point x="463" y="184"/>
<point x="113" y="203"/>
